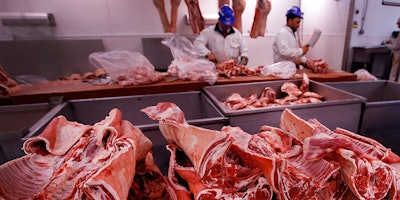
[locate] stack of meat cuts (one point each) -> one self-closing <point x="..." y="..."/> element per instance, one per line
<point x="231" y="68"/>
<point x="318" y="66"/>
<point x="295" y="95"/>
<point x="300" y="160"/>
<point x="69" y="160"/>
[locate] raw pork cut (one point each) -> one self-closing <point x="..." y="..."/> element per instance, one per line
<point x="238" y="7"/>
<point x="364" y="163"/>
<point x="88" y="162"/>
<point x="318" y="66"/>
<point x="213" y="168"/>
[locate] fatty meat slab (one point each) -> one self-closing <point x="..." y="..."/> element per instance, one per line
<point x="360" y="168"/>
<point x="280" y="158"/>
<point x="88" y="162"/>
<point x="208" y="163"/>
<point x="210" y="160"/>
<point x="368" y="168"/>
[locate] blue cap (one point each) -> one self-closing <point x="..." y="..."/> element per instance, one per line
<point x="226" y="15"/>
<point x="294" y="10"/>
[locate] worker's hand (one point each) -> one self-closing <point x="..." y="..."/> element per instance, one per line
<point x="243" y="61"/>
<point x="387" y="42"/>
<point x="297" y="61"/>
<point x="305" y="49"/>
<point x="211" y="57"/>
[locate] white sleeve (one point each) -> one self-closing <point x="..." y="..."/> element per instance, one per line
<point x="201" y="42"/>
<point x="243" y="48"/>
<point x="284" y="47"/>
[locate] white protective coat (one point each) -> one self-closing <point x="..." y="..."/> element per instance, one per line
<point x="286" y="46"/>
<point x="233" y="46"/>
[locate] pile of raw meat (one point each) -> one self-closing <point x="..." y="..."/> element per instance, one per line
<point x="300" y="160"/>
<point x="69" y="160"/>
<point x="295" y="95"/>
<point x="231" y="68"/>
<point x="318" y="66"/>
<point x="112" y="159"/>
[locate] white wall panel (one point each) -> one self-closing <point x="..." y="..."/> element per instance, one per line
<point x="122" y="23"/>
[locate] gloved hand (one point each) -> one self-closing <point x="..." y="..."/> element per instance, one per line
<point x="211" y="57"/>
<point x="244" y="60"/>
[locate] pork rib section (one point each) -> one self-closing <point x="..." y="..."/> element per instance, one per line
<point x="365" y="164"/>
<point x="74" y="161"/>
<point x="214" y="168"/>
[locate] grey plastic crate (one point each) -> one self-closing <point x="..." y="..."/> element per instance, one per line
<point x="339" y="108"/>
<point x="198" y="109"/>
<point x="18" y="121"/>
<point x="381" y="113"/>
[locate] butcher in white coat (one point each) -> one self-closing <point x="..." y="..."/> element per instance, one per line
<point x="222" y="42"/>
<point x="286" y="46"/>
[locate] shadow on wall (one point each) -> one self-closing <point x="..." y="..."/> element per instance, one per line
<point x="50" y="59"/>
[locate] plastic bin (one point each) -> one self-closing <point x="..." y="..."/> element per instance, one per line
<point x="198" y="109"/>
<point x="381" y="112"/>
<point x="20" y="120"/>
<point x="338" y="109"/>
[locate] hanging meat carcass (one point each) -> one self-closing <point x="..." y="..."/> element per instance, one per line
<point x="168" y="26"/>
<point x="238" y="7"/>
<point x="263" y="7"/>
<point x="196" y="20"/>
<point x="195" y="16"/>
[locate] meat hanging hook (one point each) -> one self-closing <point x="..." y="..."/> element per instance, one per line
<point x="361" y="31"/>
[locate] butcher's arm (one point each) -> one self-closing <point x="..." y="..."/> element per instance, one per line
<point x="201" y="42"/>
